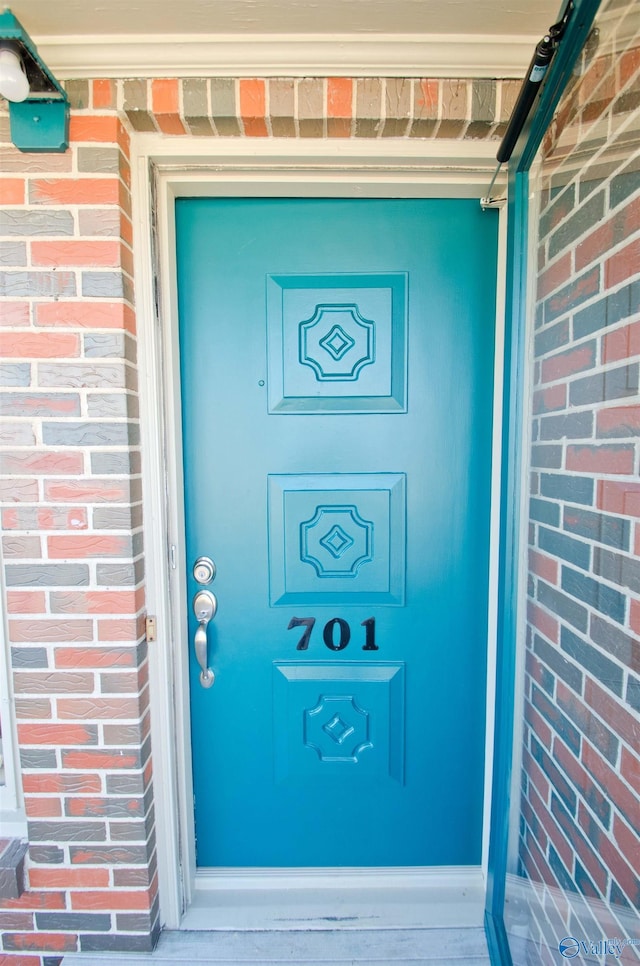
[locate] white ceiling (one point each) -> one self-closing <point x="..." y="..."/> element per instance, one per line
<point x="47" y="18"/>
<point x="125" y="38"/>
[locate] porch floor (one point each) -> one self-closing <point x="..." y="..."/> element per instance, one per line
<point x="337" y="947"/>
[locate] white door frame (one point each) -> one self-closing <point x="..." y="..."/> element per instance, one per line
<point x="164" y="169"/>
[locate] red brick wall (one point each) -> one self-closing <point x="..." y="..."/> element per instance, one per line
<point x="72" y="548"/>
<point x="70" y="491"/>
<point x="70" y="467"/>
<point x="581" y="773"/>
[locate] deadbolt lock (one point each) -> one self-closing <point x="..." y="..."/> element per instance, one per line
<point x="204" y="570"/>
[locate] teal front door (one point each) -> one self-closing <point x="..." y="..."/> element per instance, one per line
<point x="336" y="371"/>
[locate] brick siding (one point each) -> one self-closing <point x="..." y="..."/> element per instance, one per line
<point x="71" y="495"/>
<point x="580" y="811"/>
<point x="333" y="107"/>
<point x="72" y="549"/>
<point x="70" y="487"/>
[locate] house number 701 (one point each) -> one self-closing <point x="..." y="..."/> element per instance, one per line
<point x="336" y="633"/>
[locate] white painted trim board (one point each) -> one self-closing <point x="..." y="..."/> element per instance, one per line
<point x="162" y="170"/>
<point x="288" y="55"/>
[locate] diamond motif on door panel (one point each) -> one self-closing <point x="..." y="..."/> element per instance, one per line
<point x="337" y="538"/>
<point x="340" y="552"/>
<point x="336" y="541"/>
<point x="337" y="729"/>
<point x="344" y="721"/>
<point x="340" y="353"/>
<point x="337" y="343"/>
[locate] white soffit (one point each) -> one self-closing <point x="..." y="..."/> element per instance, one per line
<point x="189" y="38"/>
<point x="288" y="55"/>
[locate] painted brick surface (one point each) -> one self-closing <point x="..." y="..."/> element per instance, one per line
<point x="74" y="569"/>
<point x="581" y="755"/>
<point x="70" y="480"/>
<point x="68" y="379"/>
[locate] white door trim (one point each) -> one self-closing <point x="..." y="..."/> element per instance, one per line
<point x="162" y="170"/>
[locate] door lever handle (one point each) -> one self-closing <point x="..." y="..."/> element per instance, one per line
<point x="205" y="606"/>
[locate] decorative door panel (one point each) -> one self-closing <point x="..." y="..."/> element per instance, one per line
<point x="344" y="721"/>
<point x="337" y="538"/>
<point x="336" y="360"/>
<point x="337" y="343"/>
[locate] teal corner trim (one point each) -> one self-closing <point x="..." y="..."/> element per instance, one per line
<point x="41" y="122"/>
<point x="515" y="342"/>
<point x="39" y="125"/>
<point x="525" y="151"/>
<point x="497" y="940"/>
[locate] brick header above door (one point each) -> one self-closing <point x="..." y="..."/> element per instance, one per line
<point x="309" y="107"/>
